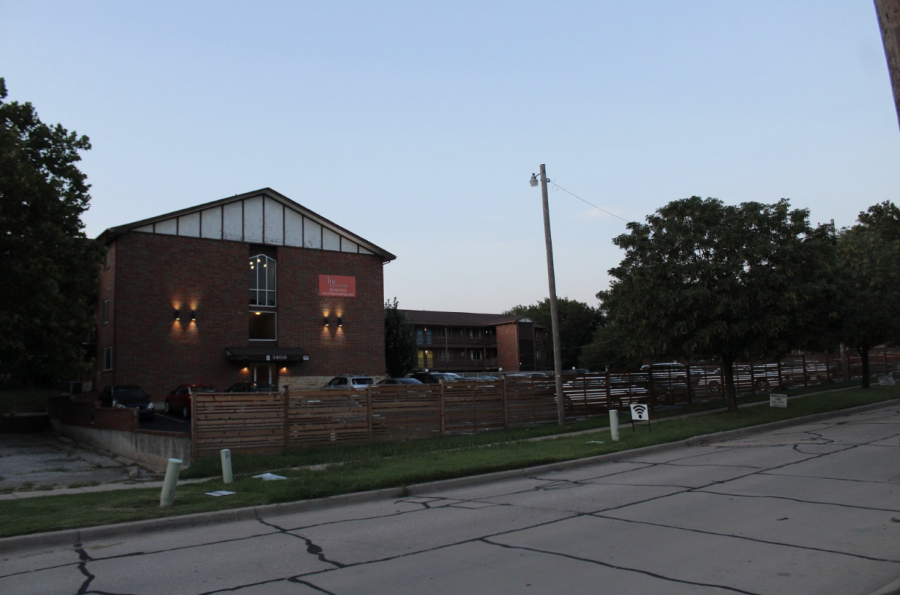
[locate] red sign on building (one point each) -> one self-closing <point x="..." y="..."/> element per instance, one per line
<point x="337" y="285"/>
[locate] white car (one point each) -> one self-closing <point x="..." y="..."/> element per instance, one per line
<point x="349" y="382"/>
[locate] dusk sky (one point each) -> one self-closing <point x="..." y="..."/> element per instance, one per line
<point x="417" y="125"/>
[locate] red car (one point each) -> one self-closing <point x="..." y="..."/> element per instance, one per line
<point x="180" y="398"/>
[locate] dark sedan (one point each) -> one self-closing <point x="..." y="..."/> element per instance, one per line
<point x="128" y="396"/>
<point x="399" y="381"/>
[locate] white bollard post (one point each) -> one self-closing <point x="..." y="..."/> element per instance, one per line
<point x="227" y="477"/>
<point x="614" y="424"/>
<point x="167" y="496"/>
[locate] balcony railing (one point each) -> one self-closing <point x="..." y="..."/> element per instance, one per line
<point x="454" y="364"/>
<point x="457" y="341"/>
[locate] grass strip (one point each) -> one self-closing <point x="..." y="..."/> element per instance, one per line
<point x="355" y="468"/>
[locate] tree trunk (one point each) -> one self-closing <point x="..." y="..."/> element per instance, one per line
<point x="864" y="358"/>
<point x="728" y="373"/>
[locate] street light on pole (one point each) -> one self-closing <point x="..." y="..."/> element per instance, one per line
<point x="554" y="309"/>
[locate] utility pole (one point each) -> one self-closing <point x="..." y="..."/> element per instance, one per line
<point x="554" y="309"/>
<point x="888" y="12"/>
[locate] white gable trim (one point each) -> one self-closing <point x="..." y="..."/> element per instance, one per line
<point x="258" y="219"/>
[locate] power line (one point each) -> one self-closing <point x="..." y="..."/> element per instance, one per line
<point x="586" y="202"/>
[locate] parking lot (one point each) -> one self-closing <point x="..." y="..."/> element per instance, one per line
<point x="45" y="461"/>
<point x="162" y="422"/>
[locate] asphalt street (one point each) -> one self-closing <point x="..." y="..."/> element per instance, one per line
<point x="813" y="508"/>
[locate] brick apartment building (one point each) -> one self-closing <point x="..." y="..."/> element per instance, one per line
<point x="466" y="342"/>
<point x="252" y="287"/>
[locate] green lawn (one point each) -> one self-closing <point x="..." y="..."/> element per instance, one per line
<point x="355" y="468"/>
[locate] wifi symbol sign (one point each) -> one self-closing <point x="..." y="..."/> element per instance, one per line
<point x="639" y="412"/>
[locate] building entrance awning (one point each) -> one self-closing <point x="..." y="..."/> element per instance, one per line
<point x="258" y="354"/>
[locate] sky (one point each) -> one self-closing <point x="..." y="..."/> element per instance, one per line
<point x="417" y="125"/>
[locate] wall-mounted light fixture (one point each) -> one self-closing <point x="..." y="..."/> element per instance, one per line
<point x="193" y="316"/>
<point x="340" y="321"/>
<point x="326" y="321"/>
<point x="177" y="314"/>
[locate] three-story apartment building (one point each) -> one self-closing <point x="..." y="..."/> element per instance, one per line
<point x="469" y="342"/>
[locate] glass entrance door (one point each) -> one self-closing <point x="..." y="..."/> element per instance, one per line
<point x="264" y="373"/>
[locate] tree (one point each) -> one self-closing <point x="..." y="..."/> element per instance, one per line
<point x="605" y="350"/>
<point x="883" y="218"/>
<point x="868" y="280"/>
<point x="48" y="266"/>
<point x="577" y="322"/>
<point x="705" y="279"/>
<point x="399" y="341"/>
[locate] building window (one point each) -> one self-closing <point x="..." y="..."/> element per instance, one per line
<point x="106" y="258"/>
<point x="263" y="326"/>
<point x="262" y="281"/>
<point x="105" y="311"/>
<point x="107" y="359"/>
<point x="477" y="354"/>
<point x="537" y="354"/>
<point x="423" y="336"/>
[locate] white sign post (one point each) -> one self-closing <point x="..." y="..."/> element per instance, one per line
<point x="640" y="412"/>
<point x="777" y="400"/>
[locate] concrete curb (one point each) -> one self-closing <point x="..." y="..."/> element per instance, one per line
<point x="71" y="537"/>
<point x="888" y="589"/>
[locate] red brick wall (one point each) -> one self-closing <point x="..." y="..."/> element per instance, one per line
<point x="507" y="348"/>
<point x="156" y="274"/>
<point x="87" y="414"/>
<point x="105" y="332"/>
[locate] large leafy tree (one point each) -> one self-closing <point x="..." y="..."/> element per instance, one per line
<point x="605" y="351"/>
<point x="883" y="218"/>
<point x="47" y="265"/>
<point x="868" y="280"/>
<point x="704" y="279"/>
<point x="399" y="340"/>
<point x="577" y="322"/>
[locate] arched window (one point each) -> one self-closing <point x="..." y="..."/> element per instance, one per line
<point x="262" y="281"/>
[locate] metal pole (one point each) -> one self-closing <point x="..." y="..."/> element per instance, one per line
<point x="888" y="12"/>
<point x="554" y="309"/>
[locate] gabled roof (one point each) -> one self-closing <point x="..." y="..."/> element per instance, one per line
<point x="262" y="217"/>
<point x="463" y="318"/>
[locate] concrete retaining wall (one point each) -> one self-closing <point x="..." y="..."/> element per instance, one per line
<point x="151" y="449"/>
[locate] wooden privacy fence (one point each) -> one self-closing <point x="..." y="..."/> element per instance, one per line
<point x="272" y="422"/>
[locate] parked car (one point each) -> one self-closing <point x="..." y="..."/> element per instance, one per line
<point x="128" y="396"/>
<point x="763" y="377"/>
<point x="489" y="377"/>
<point x="435" y="377"/>
<point x="180" y="399"/>
<point x="387" y="381"/>
<point x="349" y="382"/>
<point x="665" y="370"/>
<point x="251" y="387"/>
